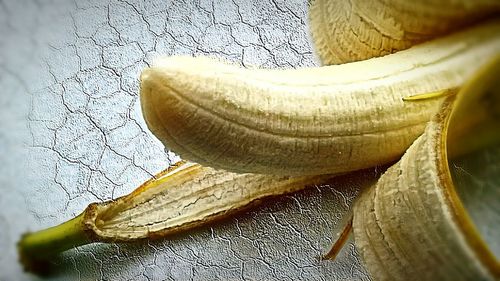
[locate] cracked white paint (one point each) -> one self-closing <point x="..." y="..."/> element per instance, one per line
<point x="69" y="74"/>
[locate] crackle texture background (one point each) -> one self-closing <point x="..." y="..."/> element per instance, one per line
<point x="72" y="133"/>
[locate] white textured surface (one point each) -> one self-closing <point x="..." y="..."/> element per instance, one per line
<point x="68" y="72"/>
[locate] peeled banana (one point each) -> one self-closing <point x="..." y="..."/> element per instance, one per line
<point x="309" y="121"/>
<point x="352" y="30"/>
<point x="302" y="127"/>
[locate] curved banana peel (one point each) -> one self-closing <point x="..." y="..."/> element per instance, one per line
<point x="352" y="30"/>
<point x="185" y="196"/>
<point x="309" y="121"/>
<point x="414" y="224"/>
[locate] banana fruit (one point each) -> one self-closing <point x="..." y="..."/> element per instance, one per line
<point x="310" y="121"/>
<point x="294" y="128"/>
<point x="352" y="30"/>
<point x="419" y="222"/>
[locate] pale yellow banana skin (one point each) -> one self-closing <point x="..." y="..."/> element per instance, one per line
<point x="306" y="121"/>
<point x="185" y="196"/>
<point x="352" y="30"/>
<point x="403" y="227"/>
<point x="413" y="225"/>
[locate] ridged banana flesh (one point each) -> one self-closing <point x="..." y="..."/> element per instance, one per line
<point x="352" y="30"/>
<point x="307" y="121"/>
<point x="415" y="223"/>
<point x="183" y="197"/>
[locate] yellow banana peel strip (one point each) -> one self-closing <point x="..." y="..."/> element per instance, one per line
<point x="182" y="197"/>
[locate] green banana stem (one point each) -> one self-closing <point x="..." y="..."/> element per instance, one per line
<point x="38" y="247"/>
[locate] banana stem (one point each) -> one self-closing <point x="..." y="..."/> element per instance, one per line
<point x="36" y="248"/>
